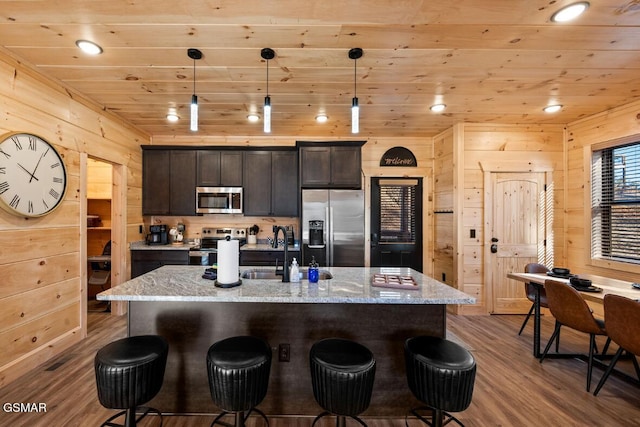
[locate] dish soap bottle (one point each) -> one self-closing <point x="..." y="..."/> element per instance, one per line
<point x="313" y="270"/>
<point x="294" y="274"/>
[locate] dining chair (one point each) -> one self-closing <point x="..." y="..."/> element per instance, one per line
<point x="531" y="289"/>
<point x="571" y="310"/>
<point x="622" y="316"/>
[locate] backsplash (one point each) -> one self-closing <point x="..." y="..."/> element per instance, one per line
<point x="194" y="224"/>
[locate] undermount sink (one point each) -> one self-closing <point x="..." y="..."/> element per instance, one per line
<point x="271" y="274"/>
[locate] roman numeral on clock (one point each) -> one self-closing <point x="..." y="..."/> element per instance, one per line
<point x="15" y="201"/>
<point x="4" y="187"/>
<point x="16" y="141"/>
<point x="33" y="143"/>
<point x="53" y="193"/>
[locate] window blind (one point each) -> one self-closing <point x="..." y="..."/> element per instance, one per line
<point x="397" y="213"/>
<point x="615" y="203"/>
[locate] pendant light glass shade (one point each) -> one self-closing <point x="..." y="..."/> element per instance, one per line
<point x="355" y="116"/>
<point x="267" y="54"/>
<point x="194" y="54"/>
<point x="194" y="113"/>
<point x="355" y="54"/>
<point x="267" y="114"/>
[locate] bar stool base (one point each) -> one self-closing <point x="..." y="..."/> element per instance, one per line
<point x="240" y="418"/>
<point x="439" y="417"/>
<point x="341" y="420"/>
<point x="130" y="419"/>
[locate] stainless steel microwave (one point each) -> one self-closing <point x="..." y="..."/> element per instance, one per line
<point x="227" y="200"/>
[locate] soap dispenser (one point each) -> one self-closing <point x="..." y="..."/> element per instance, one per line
<point x="294" y="275"/>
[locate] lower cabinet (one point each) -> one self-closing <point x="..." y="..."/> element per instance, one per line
<point x="143" y="261"/>
<point x="267" y="258"/>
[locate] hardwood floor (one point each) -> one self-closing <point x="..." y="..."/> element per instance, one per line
<point x="511" y="389"/>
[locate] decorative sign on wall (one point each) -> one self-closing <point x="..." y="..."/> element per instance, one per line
<point x="398" y="156"/>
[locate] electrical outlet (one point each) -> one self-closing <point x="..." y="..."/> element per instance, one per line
<point x="284" y="352"/>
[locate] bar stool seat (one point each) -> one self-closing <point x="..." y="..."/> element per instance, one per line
<point x="129" y="372"/>
<point x="238" y="370"/>
<point x="440" y="374"/>
<point x="342" y="375"/>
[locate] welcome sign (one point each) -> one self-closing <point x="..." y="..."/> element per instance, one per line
<point x="398" y="156"/>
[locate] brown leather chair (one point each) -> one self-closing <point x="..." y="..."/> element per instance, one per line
<point x="530" y="289"/>
<point x="571" y="310"/>
<point x="623" y="327"/>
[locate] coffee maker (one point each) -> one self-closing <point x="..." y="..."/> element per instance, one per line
<point x="316" y="233"/>
<point x="158" y="235"/>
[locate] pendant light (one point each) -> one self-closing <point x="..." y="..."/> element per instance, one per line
<point x="267" y="54"/>
<point x="194" y="54"/>
<point x="355" y="54"/>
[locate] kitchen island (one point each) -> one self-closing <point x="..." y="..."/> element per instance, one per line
<point x="192" y="313"/>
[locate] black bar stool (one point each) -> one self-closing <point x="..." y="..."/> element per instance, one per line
<point x="238" y="369"/>
<point x="342" y="374"/>
<point x="129" y="372"/>
<point x="441" y="374"/>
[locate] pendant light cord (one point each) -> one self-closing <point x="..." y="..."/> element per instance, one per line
<point x="355" y="76"/>
<point x="267" y="77"/>
<point x="194" y="76"/>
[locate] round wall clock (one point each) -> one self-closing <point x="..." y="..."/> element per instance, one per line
<point x="33" y="179"/>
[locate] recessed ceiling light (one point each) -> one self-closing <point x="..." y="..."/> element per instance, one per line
<point x="89" y="47"/>
<point x="552" y="108"/>
<point x="322" y="118"/>
<point x="570" y="12"/>
<point x="437" y="108"/>
<point x="253" y="117"/>
<point x="173" y="117"/>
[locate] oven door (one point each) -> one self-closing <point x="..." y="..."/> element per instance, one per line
<point x="198" y="257"/>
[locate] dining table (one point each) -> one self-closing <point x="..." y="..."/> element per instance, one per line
<point x="603" y="286"/>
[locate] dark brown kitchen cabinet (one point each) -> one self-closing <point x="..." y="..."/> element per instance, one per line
<point x="267" y="258"/>
<point x="270" y="182"/>
<point x="330" y="166"/>
<point x="168" y="182"/>
<point x="217" y="168"/>
<point x="143" y="261"/>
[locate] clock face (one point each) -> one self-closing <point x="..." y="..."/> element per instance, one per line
<point x="33" y="178"/>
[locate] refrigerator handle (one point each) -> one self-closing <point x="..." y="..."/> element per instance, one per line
<point x="327" y="237"/>
<point x="331" y="236"/>
<point x="374" y="240"/>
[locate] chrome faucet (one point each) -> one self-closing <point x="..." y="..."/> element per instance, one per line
<point x="285" y="267"/>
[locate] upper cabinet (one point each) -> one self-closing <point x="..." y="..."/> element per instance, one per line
<point x="168" y="182"/>
<point x="219" y="168"/>
<point x="330" y="165"/>
<point x="270" y="183"/>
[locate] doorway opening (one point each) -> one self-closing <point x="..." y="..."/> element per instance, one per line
<point x="99" y="226"/>
<point x="396" y="222"/>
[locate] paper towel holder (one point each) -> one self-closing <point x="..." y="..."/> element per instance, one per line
<point x="227" y="285"/>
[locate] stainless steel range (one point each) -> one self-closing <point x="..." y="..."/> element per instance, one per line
<point x="207" y="252"/>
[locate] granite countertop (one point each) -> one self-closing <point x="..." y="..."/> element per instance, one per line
<point x="267" y="247"/>
<point x="350" y="285"/>
<point x="141" y="245"/>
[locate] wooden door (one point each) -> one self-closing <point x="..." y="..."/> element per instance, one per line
<point x="516" y="235"/>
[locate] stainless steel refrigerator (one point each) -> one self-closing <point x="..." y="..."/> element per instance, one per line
<point x="341" y="215"/>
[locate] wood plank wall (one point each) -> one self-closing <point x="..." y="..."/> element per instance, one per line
<point x="510" y="146"/>
<point x="42" y="259"/>
<point x="622" y="123"/>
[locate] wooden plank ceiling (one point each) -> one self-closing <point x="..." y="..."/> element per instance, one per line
<point x="494" y="61"/>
